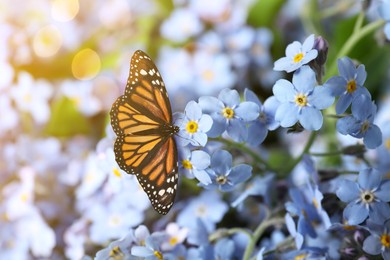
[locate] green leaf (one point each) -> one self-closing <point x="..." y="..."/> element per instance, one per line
<point x="66" y="120"/>
<point x="264" y="13"/>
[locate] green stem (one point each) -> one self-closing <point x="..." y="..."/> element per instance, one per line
<point x="309" y="143"/>
<point x="359" y="22"/>
<point x="353" y="40"/>
<point x="219" y="233"/>
<point x="333" y="10"/>
<point x="257" y="234"/>
<point x="242" y="147"/>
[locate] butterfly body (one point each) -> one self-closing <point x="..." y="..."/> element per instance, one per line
<point x="145" y="144"/>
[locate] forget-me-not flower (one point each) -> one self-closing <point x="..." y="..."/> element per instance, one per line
<point x="297" y="54"/>
<point x="175" y="236"/>
<point x="117" y="249"/>
<point x="379" y="240"/>
<point x="181" y="25"/>
<point x="384" y="11"/>
<point x="258" y="130"/>
<point x="151" y="250"/>
<point x="369" y="196"/>
<point x="229" y="114"/>
<point x="195" y="164"/>
<point x="348" y="85"/>
<point x="361" y="123"/>
<point x="209" y="207"/>
<point x="193" y="125"/>
<point x="301" y="100"/>
<point x="223" y="175"/>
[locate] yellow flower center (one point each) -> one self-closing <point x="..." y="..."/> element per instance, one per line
<point x="158" y="254"/>
<point x="367" y="197"/>
<point x="300" y="257"/>
<point x="387" y="143"/>
<point x="186" y="164"/>
<point x="315" y="203"/>
<point x="385" y="240"/>
<point x="301" y="100"/>
<point x="192" y="127"/>
<point x="116" y="172"/>
<point x="228" y="112"/>
<point x="365" y="126"/>
<point x="297" y="58"/>
<point x="349" y="227"/>
<point x="116" y="253"/>
<point x="208" y="75"/>
<point x="351" y="86"/>
<point x="173" y="241"/>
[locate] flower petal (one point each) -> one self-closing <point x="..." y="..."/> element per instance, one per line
<point x="343" y="103"/>
<point x="355" y="213"/>
<point x="346" y="68"/>
<point x="193" y="111"/>
<point x="321" y="98"/>
<point x="383" y="193"/>
<point x="373" y="137"/>
<point x="287" y="114"/>
<point x="348" y="191"/>
<point x="304" y="79"/>
<point x="229" y="97"/>
<point x="221" y="161"/>
<point x="248" y="111"/>
<point x="284" y="90"/>
<point x="311" y="118"/>
<point x="369" y="179"/>
<point x="372" y="245"/>
<point x="210" y="104"/>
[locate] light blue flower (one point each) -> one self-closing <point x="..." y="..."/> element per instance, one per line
<point x="348" y="85"/>
<point x="209" y="207"/>
<point x="260" y="50"/>
<point x="182" y="24"/>
<point x="384" y="11"/>
<point x="368" y="196"/>
<point x="151" y="250"/>
<point x="258" y="186"/>
<point x="193" y="125"/>
<point x="223" y="175"/>
<point x="379" y="240"/>
<point x="301" y="100"/>
<point x="117" y="249"/>
<point x="195" y="164"/>
<point x="258" y="130"/>
<point x="361" y="123"/>
<point x="229" y="114"/>
<point x="212" y="72"/>
<point x="224" y="249"/>
<point x="297" y="54"/>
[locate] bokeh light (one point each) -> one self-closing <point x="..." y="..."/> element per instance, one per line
<point x="86" y="64"/>
<point x="47" y="41"/>
<point x="64" y="10"/>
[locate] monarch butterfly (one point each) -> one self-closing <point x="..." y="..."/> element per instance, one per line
<point x="145" y="145"/>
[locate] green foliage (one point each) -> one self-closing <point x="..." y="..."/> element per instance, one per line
<point x="65" y="120"/>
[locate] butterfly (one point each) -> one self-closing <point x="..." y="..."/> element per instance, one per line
<point x="145" y="144"/>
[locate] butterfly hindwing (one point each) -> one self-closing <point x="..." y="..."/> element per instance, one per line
<point x="145" y="145"/>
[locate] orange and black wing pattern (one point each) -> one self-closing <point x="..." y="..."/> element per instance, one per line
<point x="145" y="145"/>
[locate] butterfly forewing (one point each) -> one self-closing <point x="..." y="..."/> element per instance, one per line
<point x="145" y="145"/>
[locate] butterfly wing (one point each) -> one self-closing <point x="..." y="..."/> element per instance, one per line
<point x="142" y="121"/>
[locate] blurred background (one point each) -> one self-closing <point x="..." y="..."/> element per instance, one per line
<point x="64" y="62"/>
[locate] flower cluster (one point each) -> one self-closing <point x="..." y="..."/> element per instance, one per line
<point x="283" y="148"/>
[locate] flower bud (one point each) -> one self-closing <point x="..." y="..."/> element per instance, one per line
<point x="322" y="46"/>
